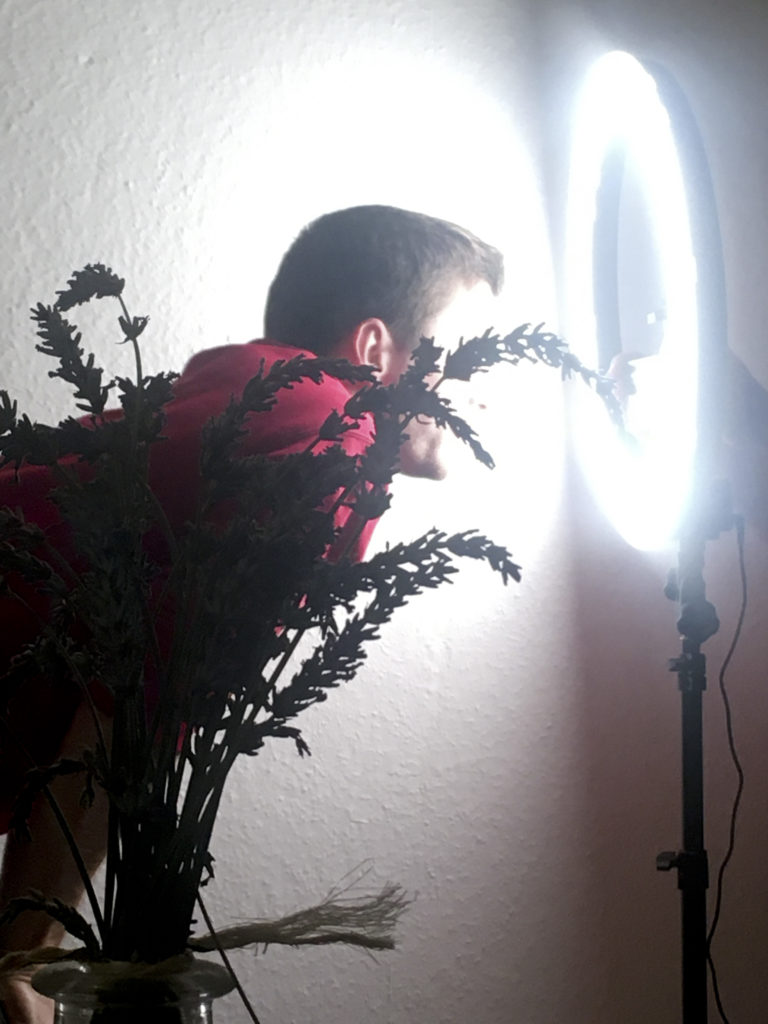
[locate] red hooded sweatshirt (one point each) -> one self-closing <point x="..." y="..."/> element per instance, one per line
<point x="42" y="709"/>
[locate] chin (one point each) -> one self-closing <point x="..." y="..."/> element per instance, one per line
<point x="424" y="455"/>
<point x="425" y="469"/>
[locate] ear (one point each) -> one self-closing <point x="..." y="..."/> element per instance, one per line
<point x="371" y="342"/>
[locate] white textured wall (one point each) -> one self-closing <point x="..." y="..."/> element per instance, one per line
<point x="510" y="757"/>
<point x="185" y="144"/>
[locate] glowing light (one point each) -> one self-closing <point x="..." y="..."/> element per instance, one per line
<point x="642" y="488"/>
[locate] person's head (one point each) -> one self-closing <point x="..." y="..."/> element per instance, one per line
<point x="368" y="262"/>
<point x="368" y="282"/>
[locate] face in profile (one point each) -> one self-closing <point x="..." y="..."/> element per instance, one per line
<point x="470" y="311"/>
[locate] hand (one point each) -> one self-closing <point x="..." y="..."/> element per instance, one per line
<point x="621" y="372"/>
<point x="20" y="1004"/>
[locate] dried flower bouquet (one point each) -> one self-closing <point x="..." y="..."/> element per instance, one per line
<point x="240" y="590"/>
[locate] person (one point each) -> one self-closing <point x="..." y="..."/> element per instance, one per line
<point x="365" y="284"/>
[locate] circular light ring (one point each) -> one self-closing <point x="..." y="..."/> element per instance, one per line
<point x="642" y="487"/>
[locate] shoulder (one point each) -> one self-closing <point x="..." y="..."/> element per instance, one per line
<point x="226" y="370"/>
<point x="230" y="366"/>
<point x="214" y="376"/>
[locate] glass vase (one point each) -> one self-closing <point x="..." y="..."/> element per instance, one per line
<point x="177" y="991"/>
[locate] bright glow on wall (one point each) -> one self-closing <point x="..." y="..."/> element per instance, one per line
<point x="643" y="488"/>
<point x="447" y="146"/>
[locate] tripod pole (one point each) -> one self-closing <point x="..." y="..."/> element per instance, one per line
<point x="698" y="621"/>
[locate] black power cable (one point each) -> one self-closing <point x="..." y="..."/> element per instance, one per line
<point x="737" y="765"/>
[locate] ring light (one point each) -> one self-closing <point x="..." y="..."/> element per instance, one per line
<point x="634" y="289"/>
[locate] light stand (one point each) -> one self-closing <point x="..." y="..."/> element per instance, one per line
<point x="599" y="249"/>
<point x="697" y="623"/>
<point x="709" y="515"/>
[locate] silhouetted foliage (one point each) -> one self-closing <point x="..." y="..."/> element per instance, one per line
<point x="241" y="592"/>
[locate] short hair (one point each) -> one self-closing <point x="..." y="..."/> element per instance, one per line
<point x="373" y="261"/>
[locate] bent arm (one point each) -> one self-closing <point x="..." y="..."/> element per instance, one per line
<point x="46" y="864"/>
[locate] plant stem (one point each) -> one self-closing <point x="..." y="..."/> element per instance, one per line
<point x="226" y="961"/>
<point x="80" y="863"/>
